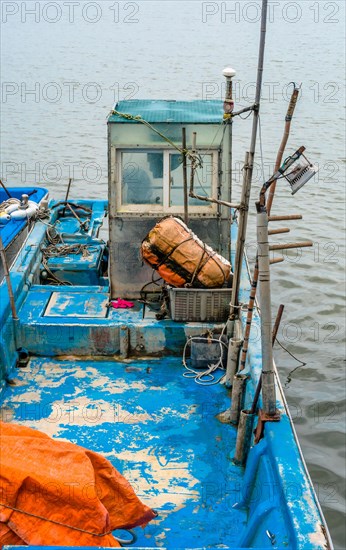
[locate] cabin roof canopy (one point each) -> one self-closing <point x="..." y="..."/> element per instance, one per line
<point x="170" y="111"/>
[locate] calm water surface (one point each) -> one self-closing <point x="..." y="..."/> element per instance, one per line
<point x="62" y="70"/>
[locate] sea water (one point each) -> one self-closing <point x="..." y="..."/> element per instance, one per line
<point x="65" y="64"/>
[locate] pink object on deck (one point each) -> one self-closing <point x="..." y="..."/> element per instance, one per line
<point x="121" y="304"/>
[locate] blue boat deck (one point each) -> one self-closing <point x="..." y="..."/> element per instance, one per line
<point x="56" y="321"/>
<point x="112" y="381"/>
<point x="159" y="429"/>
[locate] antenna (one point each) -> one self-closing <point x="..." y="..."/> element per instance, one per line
<point x="228" y="105"/>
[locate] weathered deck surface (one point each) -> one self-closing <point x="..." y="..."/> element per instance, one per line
<point x="158" y="429"/>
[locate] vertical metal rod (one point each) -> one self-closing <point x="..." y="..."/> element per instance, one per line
<point x="234" y="345"/>
<point x="8" y="280"/>
<point x="244" y="436"/>
<point x="67" y="194"/>
<point x="239" y="253"/>
<point x="268" y="382"/>
<point x="5" y="189"/>
<point x="259" y="77"/>
<point x="277" y="323"/>
<point x="238" y="391"/>
<point x="186" y="196"/>
<point x="230" y="158"/>
<point x="228" y="107"/>
<point x="192" y="173"/>
<point x="249" y="171"/>
<point x="249" y="316"/>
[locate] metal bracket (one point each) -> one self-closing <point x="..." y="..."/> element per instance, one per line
<point x="262" y="419"/>
<point x="242" y="206"/>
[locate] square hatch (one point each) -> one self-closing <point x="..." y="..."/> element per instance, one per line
<point x="75" y="304"/>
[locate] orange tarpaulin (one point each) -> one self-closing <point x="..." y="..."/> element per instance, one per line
<point x="53" y="492"/>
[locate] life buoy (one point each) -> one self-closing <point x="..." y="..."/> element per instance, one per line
<point x="10" y="205"/>
<point x="25" y="213"/>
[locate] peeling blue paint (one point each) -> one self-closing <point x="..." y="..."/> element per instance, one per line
<point x="157" y="427"/>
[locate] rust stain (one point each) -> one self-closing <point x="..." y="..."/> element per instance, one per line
<point x="6" y="413"/>
<point x="132" y="369"/>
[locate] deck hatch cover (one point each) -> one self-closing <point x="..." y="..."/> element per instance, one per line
<point x="77" y="304"/>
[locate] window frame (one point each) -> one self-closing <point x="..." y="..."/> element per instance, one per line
<point x="164" y="208"/>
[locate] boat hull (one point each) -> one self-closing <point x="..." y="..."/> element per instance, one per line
<point x="112" y="380"/>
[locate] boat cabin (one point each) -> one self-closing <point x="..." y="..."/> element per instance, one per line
<point x="146" y="179"/>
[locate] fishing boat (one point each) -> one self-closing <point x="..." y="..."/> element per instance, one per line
<point x="128" y="348"/>
<point x="18" y="205"/>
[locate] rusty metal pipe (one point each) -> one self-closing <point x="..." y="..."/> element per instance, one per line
<point x="5" y="189"/>
<point x="286" y="246"/>
<point x="244" y="435"/>
<point x="238" y="393"/>
<point x="277" y="260"/>
<point x="67" y="196"/>
<point x="278" y="231"/>
<point x="234" y="345"/>
<point x="285" y="218"/>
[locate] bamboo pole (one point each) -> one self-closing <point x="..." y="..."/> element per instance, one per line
<point x="253" y="290"/>
<point x="283" y="143"/>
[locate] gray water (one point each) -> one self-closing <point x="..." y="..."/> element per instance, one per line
<point x="64" y="66"/>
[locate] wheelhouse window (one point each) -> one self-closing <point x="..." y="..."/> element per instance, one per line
<point x="152" y="181"/>
<point x="203" y="180"/>
<point x="142" y="178"/>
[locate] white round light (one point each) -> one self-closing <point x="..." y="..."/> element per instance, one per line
<point x="228" y="72"/>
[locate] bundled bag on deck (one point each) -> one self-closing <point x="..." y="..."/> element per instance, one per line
<point x="181" y="258"/>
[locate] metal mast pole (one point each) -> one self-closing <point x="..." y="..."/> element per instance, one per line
<point x="248" y="171"/>
<point x="228" y="106"/>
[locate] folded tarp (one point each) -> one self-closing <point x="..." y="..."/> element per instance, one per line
<point x="53" y="492"/>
